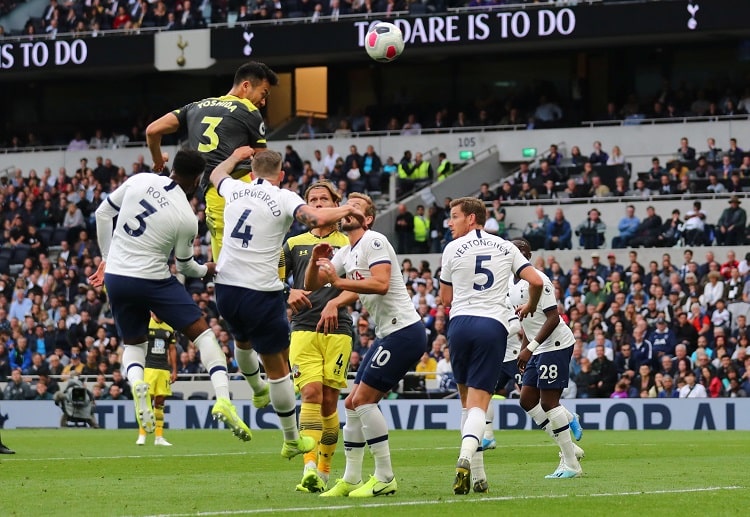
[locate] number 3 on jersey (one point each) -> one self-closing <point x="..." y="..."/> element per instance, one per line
<point x="243" y="231"/>
<point x="148" y="210"/>
<point x="210" y="133"/>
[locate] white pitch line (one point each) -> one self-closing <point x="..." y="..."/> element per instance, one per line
<point x="136" y="456"/>
<point x="209" y="454"/>
<point x="441" y="501"/>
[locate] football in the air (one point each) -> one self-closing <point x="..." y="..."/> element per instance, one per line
<point x="384" y="42"/>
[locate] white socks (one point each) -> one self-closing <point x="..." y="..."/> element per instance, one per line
<point x="285" y="405"/>
<point x="472" y="432"/>
<point x="558" y="423"/>
<point x="249" y="365"/>
<point x="541" y="419"/>
<point x="375" y="431"/>
<point x="215" y="362"/>
<point x="133" y="361"/>
<point x="354" y="447"/>
<point x="489" y="432"/>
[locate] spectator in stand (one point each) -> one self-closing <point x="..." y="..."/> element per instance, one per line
<point x="616" y="158"/>
<point x="406" y="178"/>
<point x="671" y="231"/>
<point x="627" y="227"/>
<point x="685" y="152"/>
<point x="726" y="169"/>
<point x="694" y="225"/>
<point x="731" y="224"/>
<point x="691" y="389"/>
<point x="621" y="187"/>
<point x="309" y="128"/>
<point x="411" y="126"/>
<point x="598" y="156"/>
<point x="591" y="231"/>
<point x="536" y="231"/>
<point x="656" y="171"/>
<point x="712" y="154"/>
<point x="78" y="143"/>
<point x="648" y="230"/>
<point x="372" y="167"/>
<point x="421" y="229"/>
<point x="485" y="194"/>
<point x="554" y="158"/>
<point x="404" y="229"/>
<point x="576" y="158"/>
<point x="558" y="233"/>
<point x="444" y="168"/>
<point x="735" y="153"/>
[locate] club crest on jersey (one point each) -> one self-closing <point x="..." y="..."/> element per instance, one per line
<point x="377" y="244"/>
<point x="295" y="371"/>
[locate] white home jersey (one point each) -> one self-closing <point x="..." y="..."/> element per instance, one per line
<point x="257" y="216"/>
<point x="392" y="311"/>
<point x="479" y="267"/>
<point x="154" y="217"/>
<point x="513" y="346"/>
<point x="562" y="336"/>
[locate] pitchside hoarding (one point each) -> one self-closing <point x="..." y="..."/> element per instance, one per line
<point x="596" y="414"/>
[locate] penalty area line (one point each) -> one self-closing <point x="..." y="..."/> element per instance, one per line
<point x="260" y="511"/>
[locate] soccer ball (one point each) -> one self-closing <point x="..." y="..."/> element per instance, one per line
<point x="384" y="42"/>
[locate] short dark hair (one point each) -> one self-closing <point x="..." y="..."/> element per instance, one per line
<point x="255" y="72"/>
<point x="188" y="163"/>
<point x="471" y="205"/>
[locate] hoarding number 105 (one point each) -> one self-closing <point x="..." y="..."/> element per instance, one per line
<point x="467" y="141"/>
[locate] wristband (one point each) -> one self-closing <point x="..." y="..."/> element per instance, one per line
<point x="533" y="345"/>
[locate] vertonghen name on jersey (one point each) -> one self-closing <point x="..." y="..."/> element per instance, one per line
<point x="257" y="194"/>
<point x="502" y="246"/>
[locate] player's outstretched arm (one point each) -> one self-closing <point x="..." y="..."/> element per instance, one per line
<point x="535" y="292"/>
<point x="223" y="170"/>
<point x="164" y="125"/>
<point x="317" y="217"/>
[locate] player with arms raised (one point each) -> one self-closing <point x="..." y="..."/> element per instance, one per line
<point x="215" y="127"/>
<point x="249" y="292"/>
<point x="476" y="268"/>
<point x="368" y="266"/>
<point x="154" y="217"/>
<point x="544" y="361"/>
<point x="321" y="341"/>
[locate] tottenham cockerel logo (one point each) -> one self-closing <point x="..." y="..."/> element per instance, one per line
<point x="248" y="36"/>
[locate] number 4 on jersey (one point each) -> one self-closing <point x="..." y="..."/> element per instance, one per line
<point x="243" y="231"/>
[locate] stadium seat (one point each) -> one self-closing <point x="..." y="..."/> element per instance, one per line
<point x="58" y="235"/>
<point x="198" y="395"/>
<point x="176" y="395"/>
<point x="4" y="266"/>
<point x="45" y="235"/>
<point x="19" y="254"/>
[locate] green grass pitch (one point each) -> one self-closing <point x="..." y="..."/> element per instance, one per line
<point x="209" y="472"/>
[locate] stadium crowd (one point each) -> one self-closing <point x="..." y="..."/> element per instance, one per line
<point x="635" y="324"/>
<point x="76" y="16"/>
